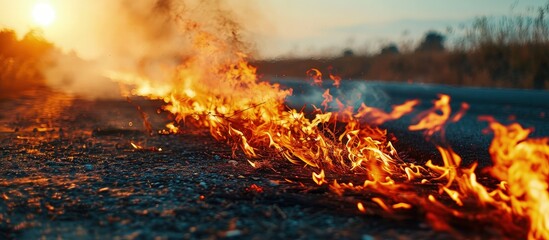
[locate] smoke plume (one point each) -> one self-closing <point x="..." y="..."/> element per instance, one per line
<point x="147" y="38"/>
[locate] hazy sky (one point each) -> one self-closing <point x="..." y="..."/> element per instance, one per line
<point x="285" y="27"/>
<point x="308" y="26"/>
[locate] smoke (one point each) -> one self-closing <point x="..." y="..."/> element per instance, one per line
<point x="147" y="38"/>
<point x="71" y="74"/>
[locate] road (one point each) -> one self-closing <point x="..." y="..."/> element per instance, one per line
<point x="530" y="108"/>
<point x="68" y="170"/>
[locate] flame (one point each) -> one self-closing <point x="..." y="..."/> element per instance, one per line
<point x="135" y="146"/>
<point x="328" y="98"/>
<point x="319" y="178"/>
<point x="336" y="79"/>
<point x="523" y="166"/>
<point x="377" y="117"/>
<point x="315" y="75"/>
<point x="215" y="88"/>
<point x="254" y="188"/>
<point x="401" y="205"/>
<point x="435" y="118"/>
<point x="361" y="207"/>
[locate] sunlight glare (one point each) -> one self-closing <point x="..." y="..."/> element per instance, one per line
<point x="43" y="14"/>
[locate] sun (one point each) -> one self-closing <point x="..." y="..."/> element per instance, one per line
<point x="43" y="14"/>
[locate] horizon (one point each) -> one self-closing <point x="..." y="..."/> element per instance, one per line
<point x="283" y="29"/>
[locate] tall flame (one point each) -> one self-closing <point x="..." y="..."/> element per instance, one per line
<point x="523" y="164"/>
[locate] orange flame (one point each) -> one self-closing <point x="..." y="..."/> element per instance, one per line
<point x="327" y="99"/>
<point x="336" y="79"/>
<point x="523" y="164"/>
<point x="434" y="119"/>
<point x="319" y="178"/>
<point x="217" y="89"/>
<point x="376" y="116"/>
<point x="316" y="75"/>
<point x="333" y="77"/>
<point x="361" y="207"/>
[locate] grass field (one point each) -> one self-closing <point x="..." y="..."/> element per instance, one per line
<point x="507" y="52"/>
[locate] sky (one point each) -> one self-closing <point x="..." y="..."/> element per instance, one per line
<point x="309" y="26"/>
<point x="280" y="28"/>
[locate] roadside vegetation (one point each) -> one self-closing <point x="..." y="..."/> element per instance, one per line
<point x="505" y="52"/>
<point x="21" y="61"/>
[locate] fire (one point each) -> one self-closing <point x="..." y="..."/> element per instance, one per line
<point x="336" y="79"/>
<point x="327" y="99"/>
<point x="216" y="88"/>
<point x="361" y="207"/>
<point x="377" y="117"/>
<point x="523" y="165"/>
<point x="254" y="188"/>
<point x="135" y="146"/>
<point x="315" y="75"/>
<point x="319" y="178"/>
<point x="433" y="120"/>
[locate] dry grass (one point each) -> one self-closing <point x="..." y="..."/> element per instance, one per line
<point x="510" y="52"/>
<point x="510" y="66"/>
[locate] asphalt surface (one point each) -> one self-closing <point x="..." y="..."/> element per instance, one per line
<point x="68" y="170"/>
<point x="467" y="137"/>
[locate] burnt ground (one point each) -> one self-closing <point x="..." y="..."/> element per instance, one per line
<point x="68" y="170"/>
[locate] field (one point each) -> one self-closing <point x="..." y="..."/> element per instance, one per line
<point x="506" y="52"/>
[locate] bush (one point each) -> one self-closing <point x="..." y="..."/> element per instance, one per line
<point x="21" y="62"/>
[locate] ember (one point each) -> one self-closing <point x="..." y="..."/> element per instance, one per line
<point x="254" y="188"/>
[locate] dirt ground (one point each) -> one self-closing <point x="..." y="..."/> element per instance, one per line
<point x="68" y="170"/>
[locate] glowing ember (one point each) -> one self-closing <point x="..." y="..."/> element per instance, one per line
<point x="136" y="146"/>
<point x="327" y="99"/>
<point x="319" y="178"/>
<point x="254" y="188"/>
<point x="361" y="207"/>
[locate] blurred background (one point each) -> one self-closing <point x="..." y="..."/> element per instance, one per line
<point x="69" y="45"/>
<point x="500" y="44"/>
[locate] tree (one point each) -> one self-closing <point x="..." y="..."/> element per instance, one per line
<point x="389" y="49"/>
<point x="33" y="45"/>
<point x="348" y="52"/>
<point x="433" y="41"/>
<point x="8" y="38"/>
